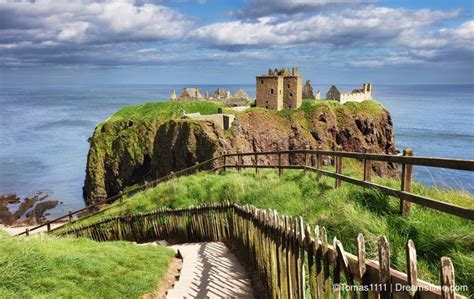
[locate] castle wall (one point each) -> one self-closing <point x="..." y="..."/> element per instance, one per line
<point x="354" y="97"/>
<point x="292" y="92"/>
<point x="269" y="92"/>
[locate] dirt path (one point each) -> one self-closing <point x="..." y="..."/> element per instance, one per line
<point x="210" y="270"/>
<point x="19" y="229"/>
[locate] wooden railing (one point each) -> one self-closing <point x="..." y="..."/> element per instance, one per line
<point x="281" y="249"/>
<point x="405" y="193"/>
<point x="406" y="161"/>
<point x="69" y="216"/>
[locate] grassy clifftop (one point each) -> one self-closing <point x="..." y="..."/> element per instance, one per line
<point x="145" y="142"/>
<point x="48" y="267"/>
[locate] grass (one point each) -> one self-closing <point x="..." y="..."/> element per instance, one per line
<point x="48" y="267"/>
<point x="345" y="212"/>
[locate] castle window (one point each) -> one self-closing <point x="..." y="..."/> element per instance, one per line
<point x="266" y="102"/>
<point x="291" y="94"/>
<point x="288" y="85"/>
<point x="261" y="81"/>
<point x="266" y="107"/>
<point x="271" y="91"/>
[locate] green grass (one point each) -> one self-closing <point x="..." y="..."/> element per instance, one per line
<point x="345" y="212"/>
<point x="163" y="111"/>
<point x="47" y="267"/>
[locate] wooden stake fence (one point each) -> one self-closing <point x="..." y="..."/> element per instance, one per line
<point x="280" y="249"/>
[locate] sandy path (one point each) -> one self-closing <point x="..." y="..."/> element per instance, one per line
<point x="210" y="270"/>
<point x="19" y="229"/>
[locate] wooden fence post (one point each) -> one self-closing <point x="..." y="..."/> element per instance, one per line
<point x="384" y="268"/>
<point x="407" y="173"/>
<point x="224" y="161"/>
<point x="411" y="267"/>
<point x="319" y="163"/>
<point x="27" y="232"/>
<point x="447" y="278"/>
<point x="306" y="159"/>
<point x="256" y="164"/>
<point x="367" y="169"/>
<point x="238" y="161"/>
<point x="338" y="169"/>
<point x="280" y="169"/>
<point x="70" y="215"/>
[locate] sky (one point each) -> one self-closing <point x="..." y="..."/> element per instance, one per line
<point x="230" y="42"/>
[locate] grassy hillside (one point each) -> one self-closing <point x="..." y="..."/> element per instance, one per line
<point x="345" y="212"/>
<point x="47" y="267"/>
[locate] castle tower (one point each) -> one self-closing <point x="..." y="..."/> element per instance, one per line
<point x="293" y="89"/>
<point x="279" y="89"/>
<point x="367" y="89"/>
<point x="269" y="91"/>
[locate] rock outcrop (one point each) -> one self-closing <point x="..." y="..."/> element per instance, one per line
<point x="129" y="151"/>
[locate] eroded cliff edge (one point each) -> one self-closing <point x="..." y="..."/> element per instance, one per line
<point x="146" y="142"/>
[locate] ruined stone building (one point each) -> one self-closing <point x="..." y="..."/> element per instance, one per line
<point x="222" y="120"/>
<point x="191" y="93"/>
<point x="239" y="98"/>
<point x="279" y="89"/>
<point x="308" y="92"/>
<point x="357" y="95"/>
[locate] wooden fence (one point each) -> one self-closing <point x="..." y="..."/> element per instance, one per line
<point x="291" y="259"/>
<point x="405" y="193"/>
<point x="316" y="157"/>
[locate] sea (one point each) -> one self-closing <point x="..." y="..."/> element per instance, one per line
<point x="44" y="131"/>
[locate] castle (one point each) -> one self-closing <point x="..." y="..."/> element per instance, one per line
<point x="279" y="89"/>
<point x="357" y="95"/>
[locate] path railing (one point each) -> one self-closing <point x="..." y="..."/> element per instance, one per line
<point x="205" y="165"/>
<point x="313" y="161"/>
<point x="281" y="249"/>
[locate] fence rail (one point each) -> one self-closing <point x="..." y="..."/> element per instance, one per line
<point x="404" y="194"/>
<point x="281" y="249"/>
<point x="407" y="161"/>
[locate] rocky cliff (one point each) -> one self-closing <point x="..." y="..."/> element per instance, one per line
<point x="146" y="142"/>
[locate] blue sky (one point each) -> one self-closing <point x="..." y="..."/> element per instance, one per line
<point x="218" y="42"/>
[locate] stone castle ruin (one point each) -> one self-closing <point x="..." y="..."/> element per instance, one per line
<point x="357" y="95"/>
<point x="239" y="98"/>
<point x="279" y="89"/>
<point x="308" y="92"/>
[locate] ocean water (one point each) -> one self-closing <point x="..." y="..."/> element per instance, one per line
<point x="44" y="130"/>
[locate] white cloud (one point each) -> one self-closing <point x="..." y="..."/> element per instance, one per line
<point x="364" y="27"/>
<point x="86" y="21"/>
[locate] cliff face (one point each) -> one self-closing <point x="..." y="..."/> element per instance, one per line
<point x="125" y="151"/>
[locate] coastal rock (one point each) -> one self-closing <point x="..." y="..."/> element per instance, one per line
<point x="122" y="155"/>
<point x="31" y="210"/>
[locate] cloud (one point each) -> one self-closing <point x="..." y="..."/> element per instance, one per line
<point x="259" y="8"/>
<point x="347" y="28"/>
<point x="118" y="33"/>
<point x="86" y="21"/>
<point x="413" y="31"/>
